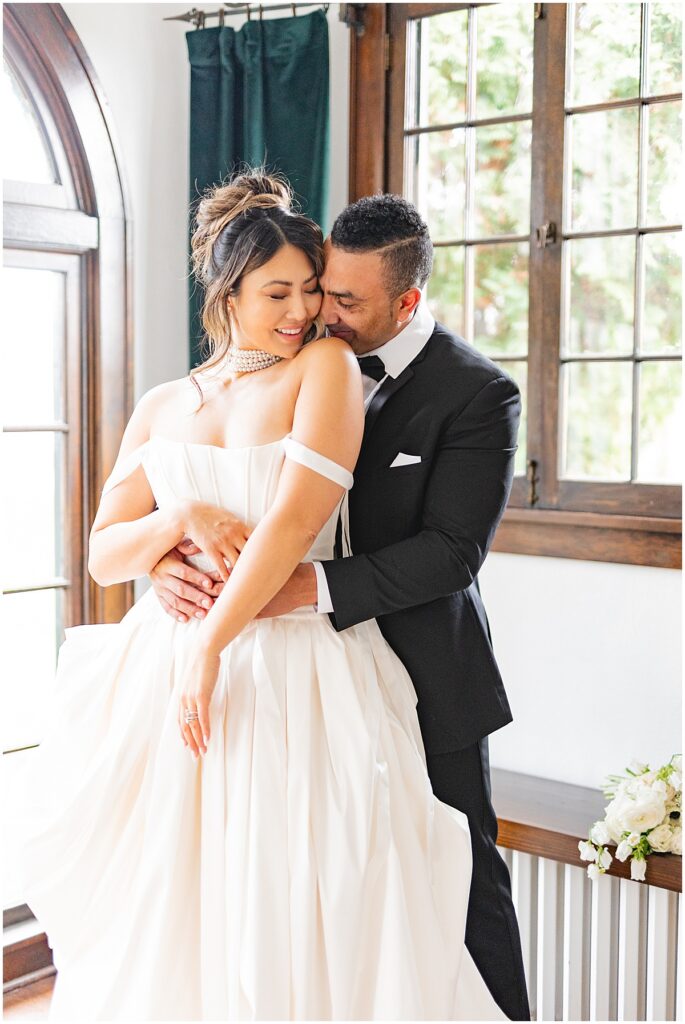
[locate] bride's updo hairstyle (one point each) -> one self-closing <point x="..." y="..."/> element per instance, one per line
<point x="240" y="225"/>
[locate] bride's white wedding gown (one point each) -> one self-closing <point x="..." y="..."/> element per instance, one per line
<point x="303" y="869"/>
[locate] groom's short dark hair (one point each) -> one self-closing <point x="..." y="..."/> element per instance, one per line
<point x="391" y="225"/>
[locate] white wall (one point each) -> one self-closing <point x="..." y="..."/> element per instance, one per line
<point x="590" y="656"/>
<point x="589" y="651"/>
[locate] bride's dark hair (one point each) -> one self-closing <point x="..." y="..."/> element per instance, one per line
<point x="240" y="225"/>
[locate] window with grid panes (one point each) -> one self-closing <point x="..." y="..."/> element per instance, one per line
<point x="541" y="143"/>
<point x="620" y="352"/>
<point x="467" y="168"/>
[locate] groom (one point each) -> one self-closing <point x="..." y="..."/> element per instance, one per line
<point x="430" y="487"/>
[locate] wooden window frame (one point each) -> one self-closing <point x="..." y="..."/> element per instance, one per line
<point x="80" y="225"/>
<point x="637" y="524"/>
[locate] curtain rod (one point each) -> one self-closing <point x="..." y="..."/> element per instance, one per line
<point x="198" y="18"/>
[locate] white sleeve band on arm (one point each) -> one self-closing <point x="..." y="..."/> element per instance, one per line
<point x="323" y="600"/>
<point x="299" y="452"/>
<point x="124" y="467"/>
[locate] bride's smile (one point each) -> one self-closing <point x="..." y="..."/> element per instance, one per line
<point x="276" y="305"/>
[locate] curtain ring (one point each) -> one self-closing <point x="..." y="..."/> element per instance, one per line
<point x="248" y="11"/>
<point x="294" y="11"/>
<point x="261" y="12"/>
<point x="221" y="17"/>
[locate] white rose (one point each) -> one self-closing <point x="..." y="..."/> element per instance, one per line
<point x="660" y="838"/>
<point x="616" y="830"/>
<point x="605" y="859"/>
<point x="633" y="838"/>
<point x="615" y="812"/>
<point x="677" y="841"/>
<point x="646" y="811"/>
<point x="623" y="850"/>
<point x="593" y="872"/>
<point x="638" y="870"/>
<point x="621" y="798"/>
<point x="599" y="833"/>
<point x="587" y="850"/>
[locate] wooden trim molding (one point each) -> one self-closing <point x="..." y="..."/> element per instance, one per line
<point x="368" y="102"/>
<point x="592" y="536"/>
<point x="25" y="956"/>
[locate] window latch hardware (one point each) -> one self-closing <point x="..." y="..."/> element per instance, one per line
<point x="533" y="479"/>
<point x="546" y="235"/>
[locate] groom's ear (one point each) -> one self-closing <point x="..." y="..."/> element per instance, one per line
<point x="406" y="304"/>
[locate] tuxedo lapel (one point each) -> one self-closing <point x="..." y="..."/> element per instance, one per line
<point x="385" y="391"/>
<point x="389" y="388"/>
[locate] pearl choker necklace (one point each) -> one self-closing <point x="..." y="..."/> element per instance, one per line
<point x="247" y="360"/>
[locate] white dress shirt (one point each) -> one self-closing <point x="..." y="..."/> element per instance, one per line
<point x="396" y="355"/>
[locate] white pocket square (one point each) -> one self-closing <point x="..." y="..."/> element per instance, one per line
<point x="405" y="460"/>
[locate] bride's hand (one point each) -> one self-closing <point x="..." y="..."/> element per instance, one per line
<point x="217" y="532"/>
<point x="197" y="686"/>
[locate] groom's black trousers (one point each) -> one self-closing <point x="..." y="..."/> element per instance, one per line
<point x="461" y="779"/>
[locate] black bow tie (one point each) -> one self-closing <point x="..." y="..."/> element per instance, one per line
<point x="372" y="366"/>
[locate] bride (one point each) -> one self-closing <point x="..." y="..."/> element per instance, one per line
<point x="232" y="818"/>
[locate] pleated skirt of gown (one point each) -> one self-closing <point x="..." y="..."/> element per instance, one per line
<point x="302" y="869"/>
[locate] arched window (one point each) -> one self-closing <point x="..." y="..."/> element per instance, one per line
<point x="67" y="361"/>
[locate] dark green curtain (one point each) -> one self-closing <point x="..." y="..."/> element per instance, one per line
<point x="259" y="95"/>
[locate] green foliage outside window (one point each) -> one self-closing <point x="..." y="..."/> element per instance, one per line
<point x="600" y="274"/>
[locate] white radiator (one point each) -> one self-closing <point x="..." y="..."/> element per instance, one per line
<point x="605" y="950"/>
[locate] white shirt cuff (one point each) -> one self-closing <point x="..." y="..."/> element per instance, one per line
<point x="323" y="596"/>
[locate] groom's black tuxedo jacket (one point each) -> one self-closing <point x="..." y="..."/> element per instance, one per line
<point x="420" y="532"/>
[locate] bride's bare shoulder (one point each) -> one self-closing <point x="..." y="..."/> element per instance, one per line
<point x="328" y="353"/>
<point x="163" y="401"/>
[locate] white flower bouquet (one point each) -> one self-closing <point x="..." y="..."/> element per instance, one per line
<point x="643" y="817"/>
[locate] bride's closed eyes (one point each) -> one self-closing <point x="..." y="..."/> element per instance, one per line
<point x="307" y="291"/>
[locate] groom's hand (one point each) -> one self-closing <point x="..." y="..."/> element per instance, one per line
<point x="183" y="591"/>
<point x="300" y="590"/>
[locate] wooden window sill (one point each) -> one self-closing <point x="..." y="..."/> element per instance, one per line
<point x="546" y="818"/>
<point x="591" y="536"/>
